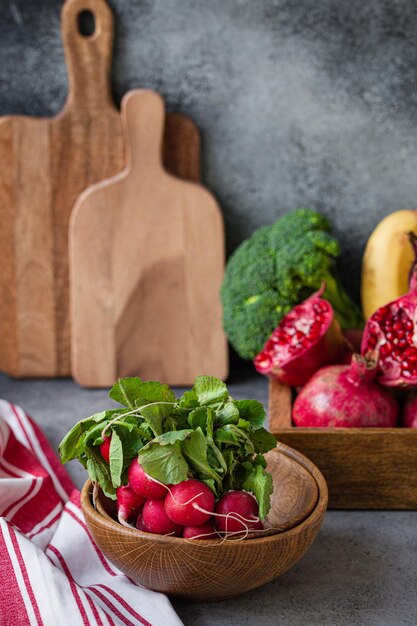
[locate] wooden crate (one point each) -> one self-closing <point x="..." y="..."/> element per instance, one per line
<point x="365" y="468"/>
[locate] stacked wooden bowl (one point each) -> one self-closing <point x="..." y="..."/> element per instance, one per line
<point x="211" y="570"/>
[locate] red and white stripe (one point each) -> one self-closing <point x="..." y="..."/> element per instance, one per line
<point x="51" y="570"/>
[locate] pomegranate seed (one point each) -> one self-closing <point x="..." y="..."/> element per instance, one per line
<point x="379" y="316"/>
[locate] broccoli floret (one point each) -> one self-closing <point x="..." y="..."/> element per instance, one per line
<point x="275" y="269"/>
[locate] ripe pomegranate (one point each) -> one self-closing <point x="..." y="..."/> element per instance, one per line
<point x="341" y="396"/>
<point x="409" y="417"/>
<point x="307" y="338"/>
<point x="392" y="331"/>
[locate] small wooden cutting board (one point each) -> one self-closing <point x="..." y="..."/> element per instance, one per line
<point x="45" y="163"/>
<point x="146" y="265"/>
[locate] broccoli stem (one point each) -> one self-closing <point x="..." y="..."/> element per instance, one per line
<point x="347" y="312"/>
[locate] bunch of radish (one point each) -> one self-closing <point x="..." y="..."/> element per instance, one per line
<point x="187" y="509"/>
<point x="192" y="466"/>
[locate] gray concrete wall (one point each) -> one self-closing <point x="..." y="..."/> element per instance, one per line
<point x="301" y="103"/>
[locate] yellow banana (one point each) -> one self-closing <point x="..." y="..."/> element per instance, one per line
<point x="387" y="260"/>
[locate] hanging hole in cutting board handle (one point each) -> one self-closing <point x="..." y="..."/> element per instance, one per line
<point x="86" y="23"/>
<point x="143" y="115"/>
<point x="87" y="28"/>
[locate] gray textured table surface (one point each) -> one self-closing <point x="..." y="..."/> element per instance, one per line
<point x="362" y="569"/>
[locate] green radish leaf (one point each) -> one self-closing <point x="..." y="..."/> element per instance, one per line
<point x="70" y="447"/>
<point x="153" y="416"/>
<point x="211" y="484"/>
<point x="229" y="458"/>
<point x="232" y="462"/>
<point x="125" y="391"/>
<point x="152" y="391"/>
<point x="210" y="424"/>
<point x="244" y="425"/>
<point x="228" y="414"/>
<point x="194" y="449"/>
<point x="171" y="437"/>
<point x="171" y="423"/>
<point x="99" y="471"/>
<point x="133" y="392"/>
<point x="262" y="440"/>
<point x="162" y="457"/>
<point x="198" y="418"/>
<point x="188" y="400"/>
<point x="202" y="417"/>
<point x="231" y="435"/>
<point x="93" y="435"/>
<point x="210" y="390"/>
<point x="215" y="457"/>
<point x="252" y="411"/>
<point x="259" y="482"/>
<point x="132" y="439"/>
<point x="145" y="432"/>
<point x="116" y="459"/>
<point x="260" y="460"/>
<point x="227" y="437"/>
<point x="164" y="462"/>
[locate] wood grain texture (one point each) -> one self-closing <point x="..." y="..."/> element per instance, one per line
<point x="45" y="163"/>
<point x="215" y="570"/>
<point x="48" y="163"/>
<point x="365" y="468"/>
<point x="145" y="292"/>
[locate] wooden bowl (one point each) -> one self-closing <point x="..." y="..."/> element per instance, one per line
<point x="216" y="570"/>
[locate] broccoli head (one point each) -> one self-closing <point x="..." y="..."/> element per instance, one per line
<point x="275" y="269"/>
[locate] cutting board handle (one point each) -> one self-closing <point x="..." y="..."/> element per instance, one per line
<point x="143" y="115"/>
<point x="88" y="54"/>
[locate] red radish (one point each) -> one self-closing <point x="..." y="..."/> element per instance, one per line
<point x="205" y="531"/>
<point x="409" y="417"/>
<point x="143" y="484"/>
<point x="237" y="511"/>
<point x="128" y="503"/>
<point x="345" y="396"/>
<point x="155" y="520"/>
<point x="392" y="330"/>
<point x="190" y="503"/>
<point x="307" y="338"/>
<point x="105" y="448"/>
<point x="139" y="523"/>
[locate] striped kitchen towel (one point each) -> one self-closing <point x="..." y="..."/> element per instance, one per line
<point x="51" y="571"/>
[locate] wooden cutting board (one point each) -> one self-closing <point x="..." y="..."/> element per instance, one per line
<point x="146" y="265"/>
<point x="44" y="165"/>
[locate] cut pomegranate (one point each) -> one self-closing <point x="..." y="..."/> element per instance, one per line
<point x="392" y="331"/>
<point x="343" y="396"/>
<point x="307" y="338"/>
